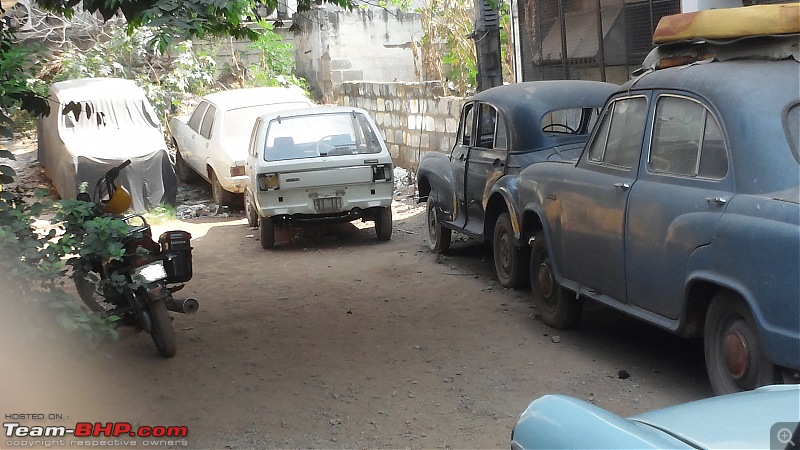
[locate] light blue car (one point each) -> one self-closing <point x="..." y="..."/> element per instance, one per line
<point x="765" y="418"/>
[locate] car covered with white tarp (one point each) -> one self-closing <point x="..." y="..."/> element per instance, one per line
<point x="97" y="123"/>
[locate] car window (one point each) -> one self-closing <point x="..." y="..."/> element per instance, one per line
<point x="487" y="122"/>
<point x="618" y="140"/>
<point x="197" y="116"/>
<point x="208" y="122"/>
<point x="792" y="126"/>
<point x="569" y="121"/>
<point x="466" y="124"/>
<point x="687" y="140"/>
<point x="501" y="137"/>
<point x="254" y="133"/>
<point x="318" y="135"/>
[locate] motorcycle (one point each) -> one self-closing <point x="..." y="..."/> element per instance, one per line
<point x="145" y="277"/>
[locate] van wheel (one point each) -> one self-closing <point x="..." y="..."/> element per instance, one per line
<point x="267" y="230"/>
<point x="735" y="359"/>
<point x="553" y="302"/>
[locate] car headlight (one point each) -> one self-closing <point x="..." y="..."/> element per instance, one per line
<point x="268" y="182"/>
<point x="152" y="272"/>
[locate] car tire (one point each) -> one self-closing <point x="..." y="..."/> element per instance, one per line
<point x="437" y="236"/>
<point x="383" y="223"/>
<point x="220" y="195"/>
<point x="250" y="212"/>
<point x="553" y="302"/>
<point x="266" y="228"/>
<point x="735" y="359"/>
<point x="185" y="173"/>
<point x="511" y="262"/>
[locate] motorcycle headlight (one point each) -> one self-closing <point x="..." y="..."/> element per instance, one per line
<point x="152" y="272"/>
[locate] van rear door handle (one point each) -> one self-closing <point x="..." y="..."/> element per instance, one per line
<point x="717" y="200"/>
<point x="622" y="185"/>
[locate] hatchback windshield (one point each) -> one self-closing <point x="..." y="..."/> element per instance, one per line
<point x="345" y="133"/>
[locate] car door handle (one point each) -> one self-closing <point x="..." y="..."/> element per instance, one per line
<point x="461" y="158"/>
<point x="717" y="200"/>
<point x="497" y="163"/>
<point x="622" y="185"/>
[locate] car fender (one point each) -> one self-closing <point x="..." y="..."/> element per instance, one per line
<point x="506" y="188"/>
<point x="559" y="421"/>
<point x="728" y="262"/>
<point x="435" y="178"/>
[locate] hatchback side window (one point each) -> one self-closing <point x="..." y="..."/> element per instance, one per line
<point x="208" y="122"/>
<point x="197" y="116"/>
<point x="618" y="140"/>
<point x="687" y="140"/>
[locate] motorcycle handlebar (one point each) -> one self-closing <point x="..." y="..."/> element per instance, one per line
<point x="113" y="173"/>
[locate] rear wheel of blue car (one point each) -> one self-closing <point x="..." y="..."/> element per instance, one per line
<point x="437" y="236"/>
<point x="266" y="228"/>
<point x="555" y="305"/>
<point x="510" y="261"/>
<point x="735" y="359"/>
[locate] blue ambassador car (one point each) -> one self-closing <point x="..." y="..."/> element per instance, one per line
<point x="684" y="208"/>
<point x="766" y="418"/>
<point x="473" y="189"/>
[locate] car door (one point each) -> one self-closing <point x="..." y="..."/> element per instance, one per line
<point x="594" y="202"/>
<point x="458" y="161"/>
<point x="486" y="163"/>
<point x="251" y="165"/>
<point x="682" y="191"/>
<point x="189" y="150"/>
<point x="203" y="139"/>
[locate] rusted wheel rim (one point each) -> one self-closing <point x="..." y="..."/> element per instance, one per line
<point x="736" y="351"/>
<point x="546" y="282"/>
<point x="505" y="253"/>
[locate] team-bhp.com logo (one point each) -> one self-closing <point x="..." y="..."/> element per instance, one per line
<point x="47" y="435"/>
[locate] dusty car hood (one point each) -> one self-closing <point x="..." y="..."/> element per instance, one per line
<point x="741" y="420"/>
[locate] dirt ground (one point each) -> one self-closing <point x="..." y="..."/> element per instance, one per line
<point x="337" y="340"/>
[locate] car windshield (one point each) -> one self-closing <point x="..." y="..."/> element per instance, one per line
<point x="331" y="134"/>
<point x="238" y="123"/>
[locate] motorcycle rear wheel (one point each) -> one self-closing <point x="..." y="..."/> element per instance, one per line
<point x="161" y="329"/>
<point x="91" y="296"/>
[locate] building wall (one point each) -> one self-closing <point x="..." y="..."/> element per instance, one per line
<point x="334" y="46"/>
<point x="414" y="117"/>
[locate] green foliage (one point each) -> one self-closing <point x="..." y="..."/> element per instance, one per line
<point x="33" y="267"/>
<point x="17" y="91"/>
<point x="160" y="213"/>
<point x="276" y="65"/>
<point x="164" y="78"/>
<point x="447" y="49"/>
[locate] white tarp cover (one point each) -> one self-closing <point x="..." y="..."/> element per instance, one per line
<point x="114" y="122"/>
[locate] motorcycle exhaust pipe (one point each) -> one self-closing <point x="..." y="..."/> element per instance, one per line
<point x="187" y="306"/>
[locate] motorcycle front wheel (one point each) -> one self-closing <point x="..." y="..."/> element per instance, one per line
<point x="89" y="292"/>
<point x="161" y="329"/>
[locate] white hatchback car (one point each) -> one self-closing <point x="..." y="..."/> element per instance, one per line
<point x="326" y="164"/>
<point x="212" y="142"/>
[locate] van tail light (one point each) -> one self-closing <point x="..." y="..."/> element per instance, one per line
<point x="382" y="172"/>
<point x="268" y="182"/>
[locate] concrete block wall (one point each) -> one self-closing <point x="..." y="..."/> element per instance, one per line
<point x="414" y="117"/>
